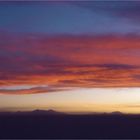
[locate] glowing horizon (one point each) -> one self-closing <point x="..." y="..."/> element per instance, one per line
<point x="78" y="100"/>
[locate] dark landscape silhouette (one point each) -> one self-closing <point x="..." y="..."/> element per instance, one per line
<point x="53" y="124"/>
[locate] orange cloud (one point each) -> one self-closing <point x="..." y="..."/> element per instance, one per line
<point x="69" y="61"/>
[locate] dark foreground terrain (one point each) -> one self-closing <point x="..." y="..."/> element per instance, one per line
<point x="36" y="125"/>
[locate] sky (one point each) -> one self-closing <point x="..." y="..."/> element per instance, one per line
<point x="70" y="56"/>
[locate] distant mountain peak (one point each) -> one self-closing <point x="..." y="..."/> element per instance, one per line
<point x="117" y="113"/>
<point x="48" y="112"/>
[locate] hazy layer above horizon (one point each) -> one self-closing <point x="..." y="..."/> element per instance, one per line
<point x="125" y="100"/>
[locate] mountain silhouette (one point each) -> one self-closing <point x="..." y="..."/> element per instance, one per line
<point x="50" y="124"/>
<point x="34" y="112"/>
<point x="117" y="113"/>
<point x="46" y="112"/>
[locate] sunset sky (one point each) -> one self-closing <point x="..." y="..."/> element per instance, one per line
<point x="70" y="56"/>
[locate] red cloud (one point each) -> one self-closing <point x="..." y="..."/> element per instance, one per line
<point x="69" y="61"/>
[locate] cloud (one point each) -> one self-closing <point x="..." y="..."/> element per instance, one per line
<point x="132" y="106"/>
<point x="77" y="17"/>
<point x="68" y="61"/>
<point x="34" y="90"/>
<point x="123" y="9"/>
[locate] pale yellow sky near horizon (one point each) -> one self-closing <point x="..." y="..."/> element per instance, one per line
<point x="126" y="100"/>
